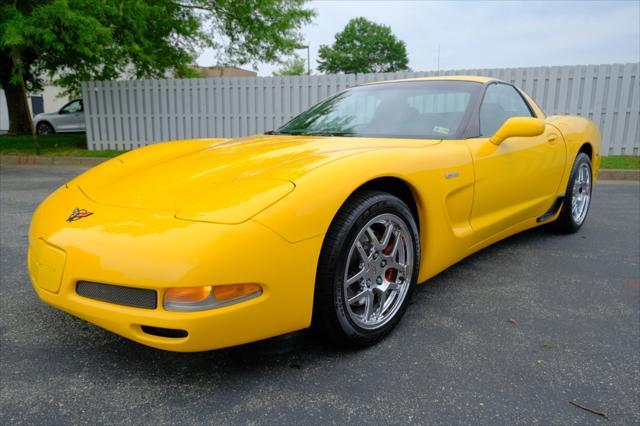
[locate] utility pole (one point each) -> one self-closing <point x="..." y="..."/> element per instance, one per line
<point x="308" y="57"/>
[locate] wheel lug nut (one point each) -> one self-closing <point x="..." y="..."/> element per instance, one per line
<point x="383" y="263"/>
<point x="379" y="280"/>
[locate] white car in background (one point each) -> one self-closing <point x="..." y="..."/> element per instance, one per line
<point x="70" y="118"/>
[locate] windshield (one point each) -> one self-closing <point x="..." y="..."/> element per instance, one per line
<point x="414" y="109"/>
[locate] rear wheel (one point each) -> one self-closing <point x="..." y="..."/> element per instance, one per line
<point x="44" y="128"/>
<point x="577" y="196"/>
<point x="367" y="269"/>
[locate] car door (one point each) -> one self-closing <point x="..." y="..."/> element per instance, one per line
<point x="71" y="117"/>
<point x="519" y="178"/>
<point x="79" y="125"/>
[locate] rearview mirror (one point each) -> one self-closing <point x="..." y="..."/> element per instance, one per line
<point x="518" y="127"/>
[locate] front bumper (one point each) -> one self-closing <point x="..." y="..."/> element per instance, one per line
<point x="150" y="250"/>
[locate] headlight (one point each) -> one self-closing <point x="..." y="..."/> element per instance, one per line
<point x="209" y="297"/>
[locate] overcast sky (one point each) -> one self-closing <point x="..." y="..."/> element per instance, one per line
<point x="487" y="34"/>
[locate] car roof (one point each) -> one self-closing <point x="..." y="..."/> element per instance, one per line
<point x="472" y="78"/>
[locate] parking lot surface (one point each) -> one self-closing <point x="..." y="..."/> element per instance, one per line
<point x="509" y="335"/>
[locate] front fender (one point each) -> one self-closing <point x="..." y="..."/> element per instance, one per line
<point x="443" y="203"/>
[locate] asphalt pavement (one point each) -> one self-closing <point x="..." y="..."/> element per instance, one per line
<point x="507" y="336"/>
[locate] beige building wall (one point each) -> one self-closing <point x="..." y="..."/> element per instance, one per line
<point x="53" y="100"/>
<point x="51" y="97"/>
<point x="224" y="72"/>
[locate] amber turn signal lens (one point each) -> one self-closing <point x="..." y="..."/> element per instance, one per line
<point x="204" y="298"/>
<point x="233" y="291"/>
<point x="187" y="294"/>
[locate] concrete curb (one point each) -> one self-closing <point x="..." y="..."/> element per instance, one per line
<point x="40" y="160"/>
<point x="33" y="160"/>
<point x="619" y="174"/>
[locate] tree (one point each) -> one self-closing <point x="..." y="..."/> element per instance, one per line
<point x="363" y="47"/>
<point x="293" y="66"/>
<point x="70" y="41"/>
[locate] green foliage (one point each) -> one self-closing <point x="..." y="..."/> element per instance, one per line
<point x="71" y="41"/>
<point x="293" y="66"/>
<point x="364" y="47"/>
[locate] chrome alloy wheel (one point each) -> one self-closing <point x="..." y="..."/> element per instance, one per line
<point x="379" y="271"/>
<point x="581" y="194"/>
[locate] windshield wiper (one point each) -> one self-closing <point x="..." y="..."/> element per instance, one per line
<point x="312" y="133"/>
<point x="325" y="133"/>
<point x="276" y="132"/>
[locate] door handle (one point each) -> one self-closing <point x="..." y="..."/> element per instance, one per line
<point x="552" y="138"/>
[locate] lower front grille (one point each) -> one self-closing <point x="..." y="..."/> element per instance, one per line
<point x="120" y="295"/>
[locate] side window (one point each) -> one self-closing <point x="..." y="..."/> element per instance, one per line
<point x="500" y="103"/>
<point x="74" y="106"/>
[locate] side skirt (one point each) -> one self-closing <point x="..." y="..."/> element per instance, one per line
<point x="555" y="208"/>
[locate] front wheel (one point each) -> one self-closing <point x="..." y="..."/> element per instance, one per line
<point x="44" y="128"/>
<point x="577" y="197"/>
<point x="367" y="269"/>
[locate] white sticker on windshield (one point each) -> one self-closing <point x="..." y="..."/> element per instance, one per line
<point x="441" y="130"/>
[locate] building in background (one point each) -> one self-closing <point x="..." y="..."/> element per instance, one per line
<point x="217" y="71"/>
<point x="49" y="100"/>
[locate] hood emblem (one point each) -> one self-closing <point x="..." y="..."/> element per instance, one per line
<point x="78" y="214"/>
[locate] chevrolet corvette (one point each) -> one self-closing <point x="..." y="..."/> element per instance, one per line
<point x="328" y="222"/>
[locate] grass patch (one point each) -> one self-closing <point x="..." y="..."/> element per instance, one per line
<point x="59" y="144"/>
<point x="620" y="162"/>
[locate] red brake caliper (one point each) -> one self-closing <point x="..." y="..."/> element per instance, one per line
<point x="390" y="274"/>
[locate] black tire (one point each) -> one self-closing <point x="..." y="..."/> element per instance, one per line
<point x="331" y="315"/>
<point x="44" y="128"/>
<point x="566" y="222"/>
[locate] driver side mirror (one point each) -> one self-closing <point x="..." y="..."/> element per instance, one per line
<point x="518" y="127"/>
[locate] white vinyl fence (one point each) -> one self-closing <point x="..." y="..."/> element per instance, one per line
<point x="129" y="114"/>
<point x="4" y="113"/>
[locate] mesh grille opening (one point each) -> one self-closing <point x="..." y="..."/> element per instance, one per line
<point x="120" y="295"/>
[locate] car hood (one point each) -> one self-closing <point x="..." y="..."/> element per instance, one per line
<point x="215" y="175"/>
<point x="45" y="114"/>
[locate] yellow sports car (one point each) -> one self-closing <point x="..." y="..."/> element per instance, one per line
<point x="329" y="221"/>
